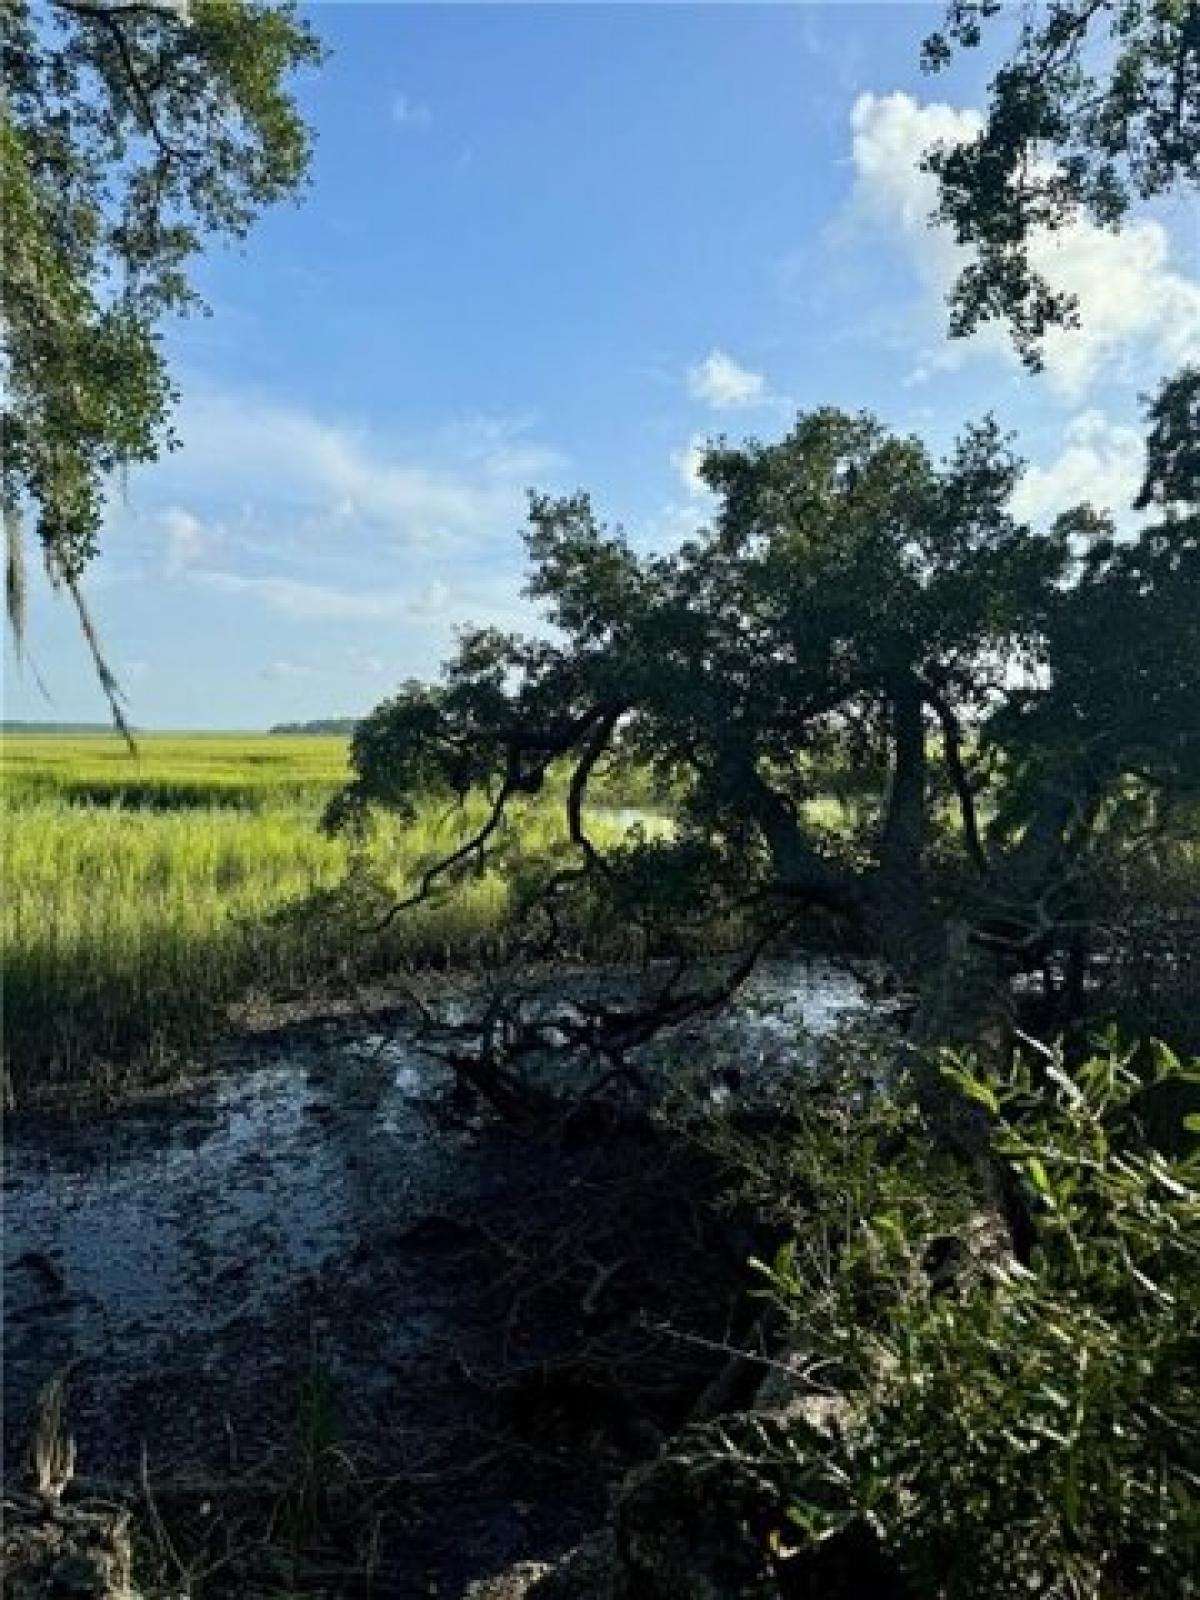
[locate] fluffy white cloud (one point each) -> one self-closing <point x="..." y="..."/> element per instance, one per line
<point x="722" y="383"/>
<point x="1130" y="298"/>
<point x="1101" y="463"/>
<point x="330" y="530"/>
<point x="1133" y="302"/>
<point x="302" y="540"/>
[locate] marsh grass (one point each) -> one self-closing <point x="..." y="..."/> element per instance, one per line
<point x="143" y="897"/>
<point x="172" y="772"/>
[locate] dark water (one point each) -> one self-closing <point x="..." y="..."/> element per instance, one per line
<point x="196" y="1256"/>
<point x="121" y="1231"/>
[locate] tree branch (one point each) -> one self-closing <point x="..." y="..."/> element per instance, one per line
<point x="905" y="822"/>
<point x="577" y="793"/>
<point x="955" y="767"/>
<point x="456" y="857"/>
<point x="801" y="872"/>
<point x="163" y="12"/>
<point x="516" y="781"/>
<point x="609" y="1032"/>
<point x="110" y="19"/>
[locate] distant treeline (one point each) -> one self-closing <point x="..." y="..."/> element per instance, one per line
<point x="341" y="725"/>
<point x="11" y="726"/>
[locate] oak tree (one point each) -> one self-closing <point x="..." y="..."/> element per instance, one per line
<point x="880" y="698"/>
<point x="132" y="132"/>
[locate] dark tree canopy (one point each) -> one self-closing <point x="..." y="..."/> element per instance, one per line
<point x="132" y="131"/>
<point x="1173" y="450"/>
<point x="860" y="621"/>
<point x="1097" y="107"/>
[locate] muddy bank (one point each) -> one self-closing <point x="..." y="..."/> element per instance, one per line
<point x="316" y="1264"/>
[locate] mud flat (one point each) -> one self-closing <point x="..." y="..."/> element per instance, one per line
<point x="320" y="1241"/>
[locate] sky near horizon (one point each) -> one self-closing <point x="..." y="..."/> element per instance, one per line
<point x="559" y="246"/>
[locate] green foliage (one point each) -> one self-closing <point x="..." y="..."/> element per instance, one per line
<point x="1149" y="906"/>
<point x="1097" y="106"/>
<point x="130" y="134"/>
<point x="1016" y="1428"/>
<point x="845" y="565"/>
<point x="825" y="678"/>
<point x="1173" y="451"/>
<point x="126" y="929"/>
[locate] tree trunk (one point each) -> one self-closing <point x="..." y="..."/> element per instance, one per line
<point x="967" y="1006"/>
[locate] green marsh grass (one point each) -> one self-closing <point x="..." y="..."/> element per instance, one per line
<point x="144" y="896"/>
<point x="174" y="771"/>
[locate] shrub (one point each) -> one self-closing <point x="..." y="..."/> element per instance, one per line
<point x="1019" y="1429"/>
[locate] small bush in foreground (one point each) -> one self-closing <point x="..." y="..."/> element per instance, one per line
<point x="1014" y="1429"/>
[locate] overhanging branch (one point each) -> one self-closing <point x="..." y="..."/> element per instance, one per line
<point x="110" y="18"/>
<point x="518" y="779"/>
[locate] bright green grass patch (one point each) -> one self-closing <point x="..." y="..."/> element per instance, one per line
<point x="125" y="930"/>
<point x="171" y="771"/>
<point x="143" y="897"/>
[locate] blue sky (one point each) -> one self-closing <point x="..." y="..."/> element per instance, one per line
<point x="559" y="246"/>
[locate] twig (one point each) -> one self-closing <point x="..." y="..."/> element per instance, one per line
<point x="165" y="1541"/>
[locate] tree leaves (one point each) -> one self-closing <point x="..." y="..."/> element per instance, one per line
<point x="129" y="134"/>
<point x="1097" y="106"/>
<point x="1013" y="1429"/>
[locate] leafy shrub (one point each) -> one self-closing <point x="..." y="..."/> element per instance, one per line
<point x="1018" y="1429"/>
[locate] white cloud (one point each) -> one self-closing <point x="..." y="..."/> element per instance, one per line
<point x="409" y="113"/>
<point x="722" y="383"/>
<point x="1129" y="296"/>
<point x="327" y="479"/>
<point x="891" y="133"/>
<point x="494" y="599"/>
<point x="335" y="530"/>
<point x="1101" y="462"/>
<point x="308" y="535"/>
<point x="311" y="602"/>
<point x="186" y="537"/>
<point x="304" y="541"/>
<point x="686" y="462"/>
<point x="281" y="671"/>
<point x="1133" y="303"/>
